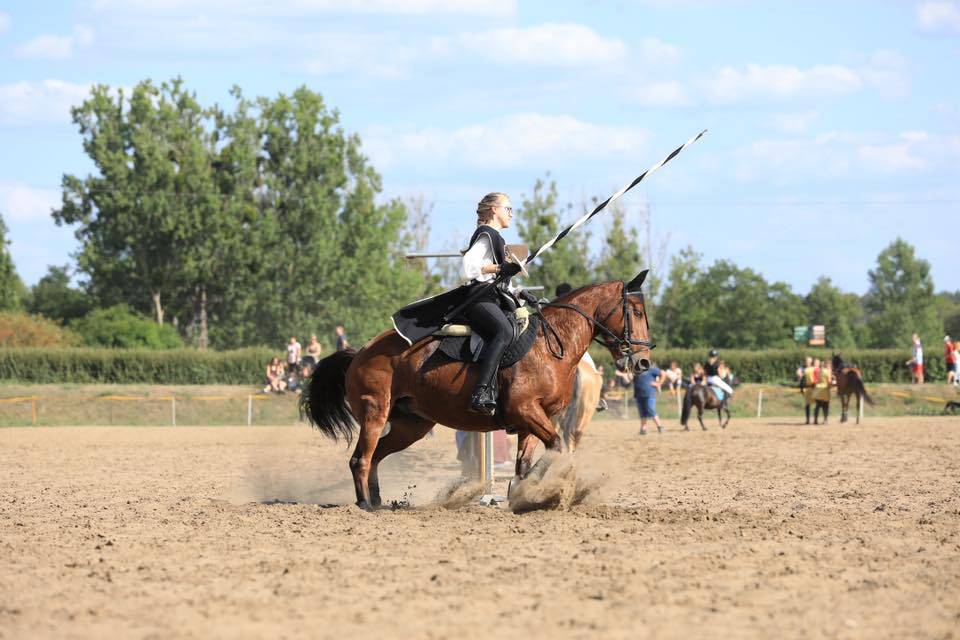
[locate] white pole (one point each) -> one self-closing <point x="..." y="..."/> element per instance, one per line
<point x="760" y="403"/>
<point x="860" y="407"/>
<point x="488" y="461"/>
<point x="249" y="410"/>
<point x="679" y="408"/>
<point x="173" y="410"/>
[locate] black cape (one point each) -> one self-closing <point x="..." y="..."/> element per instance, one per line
<point x="425" y="317"/>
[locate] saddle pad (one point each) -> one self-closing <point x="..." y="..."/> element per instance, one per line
<point x="717" y="391"/>
<point x="459" y="347"/>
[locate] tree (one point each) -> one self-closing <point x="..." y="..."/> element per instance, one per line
<point x="54" y="298"/>
<point x="682" y="316"/>
<point x="620" y="256"/>
<point x="11" y="287"/>
<point x="838" y="312"/>
<point x="153" y="186"/>
<point x="538" y="220"/>
<point x="900" y="300"/>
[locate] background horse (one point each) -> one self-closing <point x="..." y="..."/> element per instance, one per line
<point x="849" y="382"/>
<point x="702" y="397"/>
<point x="573" y="421"/>
<point x="414" y="388"/>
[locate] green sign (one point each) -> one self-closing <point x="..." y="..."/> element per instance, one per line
<point x="801" y="334"/>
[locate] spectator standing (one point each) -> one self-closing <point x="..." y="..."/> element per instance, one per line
<point x="314" y="349"/>
<point x="821" y="391"/>
<point x="342" y="343"/>
<point x="645" y="387"/>
<point x="916" y="362"/>
<point x="950" y="355"/>
<point x="293" y="354"/>
<point x="808" y="384"/>
<point x="673" y="377"/>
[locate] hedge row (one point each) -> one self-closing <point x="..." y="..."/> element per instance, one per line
<point x="130" y="366"/>
<point x="246" y="366"/>
<point x="779" y="365"/>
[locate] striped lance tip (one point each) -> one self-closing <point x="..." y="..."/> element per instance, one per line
<point x="603" y="205"/>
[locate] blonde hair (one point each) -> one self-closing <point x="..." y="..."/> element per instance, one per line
<point x="486" y="205"/>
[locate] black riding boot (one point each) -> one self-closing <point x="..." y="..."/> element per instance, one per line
<point x="497" y="330"/>
<point x="826" y="412"/>
<point x="816" y="413"/>
<point x="808" y="414"/>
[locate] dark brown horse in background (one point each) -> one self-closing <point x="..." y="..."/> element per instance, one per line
<point x="702" y="397"/>
<point x="849" y="382"/>
<point x="414" y="388"/>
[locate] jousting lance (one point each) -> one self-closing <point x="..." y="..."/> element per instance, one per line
<point x="578" y="223"/>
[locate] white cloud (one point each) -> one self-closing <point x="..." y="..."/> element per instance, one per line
<point x="356" y="54"/>
<point x="22" y="202"/>
<point x="779" y="82"/>
<point x="794" y="123"/>
<point x="4" y="21"/>
<point x="520" y="140"/>
<point x="309" y="7"/>
<point x="46" y="101"/>
<point x="838" y="155"/>
<point x="550" y="44"/>
<point x="886" y="72"/>
<point x="654" y="51"/>
<point x="52" y="47"/>
<point x="661" y="95"/>
<point x="939" y="17"/>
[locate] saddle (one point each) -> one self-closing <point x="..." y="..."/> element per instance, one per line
<point x="460" y="343"/>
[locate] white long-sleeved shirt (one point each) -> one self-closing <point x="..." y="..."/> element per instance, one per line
<point x="477" y="257"/>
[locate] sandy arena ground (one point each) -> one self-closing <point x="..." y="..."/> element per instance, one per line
<point x="769" y="529"/>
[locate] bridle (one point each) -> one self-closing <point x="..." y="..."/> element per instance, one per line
<point x="622" y="344"/>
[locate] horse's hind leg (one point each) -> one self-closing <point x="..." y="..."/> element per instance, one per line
<point x="700" y="418"/>
<point x="844" y="405"/>
<point x="372" y="416"/>
<point x="404" y="431"/>
<point x="726" y="410"/>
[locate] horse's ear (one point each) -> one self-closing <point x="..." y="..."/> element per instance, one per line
<point x="635" y="284"/>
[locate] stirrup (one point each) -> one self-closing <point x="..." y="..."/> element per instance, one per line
<point x="484" y="400"/>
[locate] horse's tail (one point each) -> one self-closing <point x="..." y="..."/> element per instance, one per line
<point x="687" y="404"/>
<point x="859" y="389"/>
<point x="324" y="403"/>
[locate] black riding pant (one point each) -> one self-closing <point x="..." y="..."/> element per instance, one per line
<point x="489" y="320"/>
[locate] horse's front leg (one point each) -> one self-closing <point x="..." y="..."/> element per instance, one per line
<point x="526" y="445"/>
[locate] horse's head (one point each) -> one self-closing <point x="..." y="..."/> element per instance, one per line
<point x="628" y="332"/>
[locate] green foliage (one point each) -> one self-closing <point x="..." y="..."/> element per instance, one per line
<point x="236" y="226"/>
<point x="11" y="287"/>
<point x="828" y="306"/>
<point x="538" y="220"/>
<point x="900" y="301"/>
<point x="22" y="330"/>
<point x="119" y="327"/>
<point x="130" y="366"/>
<point x="620" y="256"/>
<point x="725" y="306"/>
<point x="54" y="298"/>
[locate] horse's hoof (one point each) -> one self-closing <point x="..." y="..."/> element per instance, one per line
<point x="363" y="504"/>
<point x="686" y="428"/>
<point x="704" y="428"/>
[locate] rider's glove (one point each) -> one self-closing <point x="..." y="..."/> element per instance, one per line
<point x="525" y="295"/>
<point x="509" y="269"/>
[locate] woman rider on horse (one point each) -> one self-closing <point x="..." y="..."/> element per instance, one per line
<point x="483" y="261"/>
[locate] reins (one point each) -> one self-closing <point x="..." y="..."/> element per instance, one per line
<point x="611" y="340"/>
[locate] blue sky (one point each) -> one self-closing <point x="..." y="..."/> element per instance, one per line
<point x="834" y="126"/>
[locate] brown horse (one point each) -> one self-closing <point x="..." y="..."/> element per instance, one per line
<point x="702" y="397"/>
<point x="849" y="382"/>
<point x="414" y="388"/>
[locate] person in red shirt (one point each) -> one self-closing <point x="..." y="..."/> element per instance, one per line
<point x="950" y="355"/>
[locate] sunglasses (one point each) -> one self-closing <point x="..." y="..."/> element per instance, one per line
<point x="507" y="209"/>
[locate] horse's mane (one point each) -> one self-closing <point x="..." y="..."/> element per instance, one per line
<point x="565" y="297"/>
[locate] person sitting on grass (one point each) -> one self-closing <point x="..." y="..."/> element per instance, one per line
<point x="275" y="377"/>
